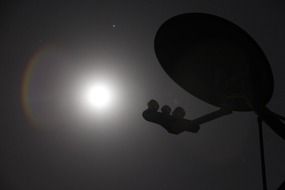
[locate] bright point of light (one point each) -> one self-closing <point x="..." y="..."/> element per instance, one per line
<point x="98" y="96"/>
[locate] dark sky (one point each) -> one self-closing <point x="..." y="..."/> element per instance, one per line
<point x="123" y="151"/>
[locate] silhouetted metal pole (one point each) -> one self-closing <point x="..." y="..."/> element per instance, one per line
<point x="263" y="168"/>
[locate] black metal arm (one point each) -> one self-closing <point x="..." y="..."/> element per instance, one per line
<point x="175" y="123"/>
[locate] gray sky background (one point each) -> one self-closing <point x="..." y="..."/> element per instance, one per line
<point x="122" y="151"/>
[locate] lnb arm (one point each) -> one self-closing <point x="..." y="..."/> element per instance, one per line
<point x="175" y="123"/>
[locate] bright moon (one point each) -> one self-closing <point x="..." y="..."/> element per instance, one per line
<point x="98" y="96"/>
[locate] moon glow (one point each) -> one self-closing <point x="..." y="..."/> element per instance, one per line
<point x="98" y="96"/>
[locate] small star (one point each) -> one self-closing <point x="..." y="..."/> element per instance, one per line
<point x="114" y="26"/>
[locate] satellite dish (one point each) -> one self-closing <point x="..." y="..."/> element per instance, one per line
<point x="214" y="60"/>
<point x="218" y="62"/>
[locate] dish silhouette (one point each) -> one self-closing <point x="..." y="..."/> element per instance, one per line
<point x="218" y="62"/>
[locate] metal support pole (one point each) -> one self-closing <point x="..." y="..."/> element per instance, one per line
<point x="263" y="168"/>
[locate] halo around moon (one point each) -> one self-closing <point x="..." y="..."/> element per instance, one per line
<point x="60" y="88"/>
